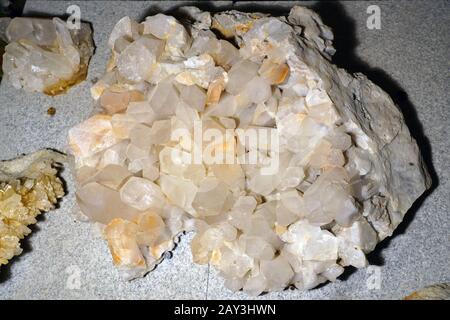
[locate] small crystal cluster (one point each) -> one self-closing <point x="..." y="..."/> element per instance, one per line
<point x="28" y="187"/>
<point x="321" y="210"/>
<point x="44" y="55"/>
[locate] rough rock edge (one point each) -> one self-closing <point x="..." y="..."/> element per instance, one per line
<point x="135" y="273"/>
<point x="399" y="167"/>
<point x="24" y="167"/>
<point x="126" y="273"/>
<point x="83" y="39"/>
<point x="439" y="291"/>
<point x="19" y="167"/>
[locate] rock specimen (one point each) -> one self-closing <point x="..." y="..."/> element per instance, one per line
<point x="28" y="187"/>
<point x="439" y="291"/>
<point x="44" y="55"/>
<point x="287" y="168"/>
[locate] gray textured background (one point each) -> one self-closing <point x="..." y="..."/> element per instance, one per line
<point x="408" y="58"/>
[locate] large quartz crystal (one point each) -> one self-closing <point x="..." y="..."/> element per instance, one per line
<point x="28" y="186"/>
<point x="45" y="55"/>
<point x="338" y="176"/>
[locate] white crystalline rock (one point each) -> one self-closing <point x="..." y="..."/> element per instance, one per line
<point x="347" y="168"/>
<point x="125" y="28"/>
<point x="136" y="60"/>
<point x="44" y="55"/>
<point x="142" y="194"/>
<point x="169" y="29"/>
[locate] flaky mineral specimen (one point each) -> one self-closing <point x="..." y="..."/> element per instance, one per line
<point x="28" y="186"/>
<point x="44" y="55"/>
<point x="287" y="168"/>
<point x="439" y="291"/>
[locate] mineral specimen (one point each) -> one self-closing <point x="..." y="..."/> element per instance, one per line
<point x="44" y="55"/>
<point x="287" y="168"/>
<point x="28" y="187"/>
<point x="439" y="291"/>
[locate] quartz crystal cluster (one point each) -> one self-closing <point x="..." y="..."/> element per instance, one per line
<point x="347" y="168"/>
<point x="44" y="55"/>
<point x="28" y="186"/>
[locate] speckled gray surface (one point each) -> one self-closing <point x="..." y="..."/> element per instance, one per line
<point x="408" y="55"/>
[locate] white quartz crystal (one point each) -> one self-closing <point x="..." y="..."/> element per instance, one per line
<point x="347" y="169"/>
<point x="45" y="55"/>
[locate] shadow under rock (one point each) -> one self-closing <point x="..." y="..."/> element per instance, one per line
<point x="333" y="14"/>
<point x="11" y="8"/>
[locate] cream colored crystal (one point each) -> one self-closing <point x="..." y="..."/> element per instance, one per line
<point x="29" y="186"/>
<point x="170" y="152"/>
<point x="44" y="55"/>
